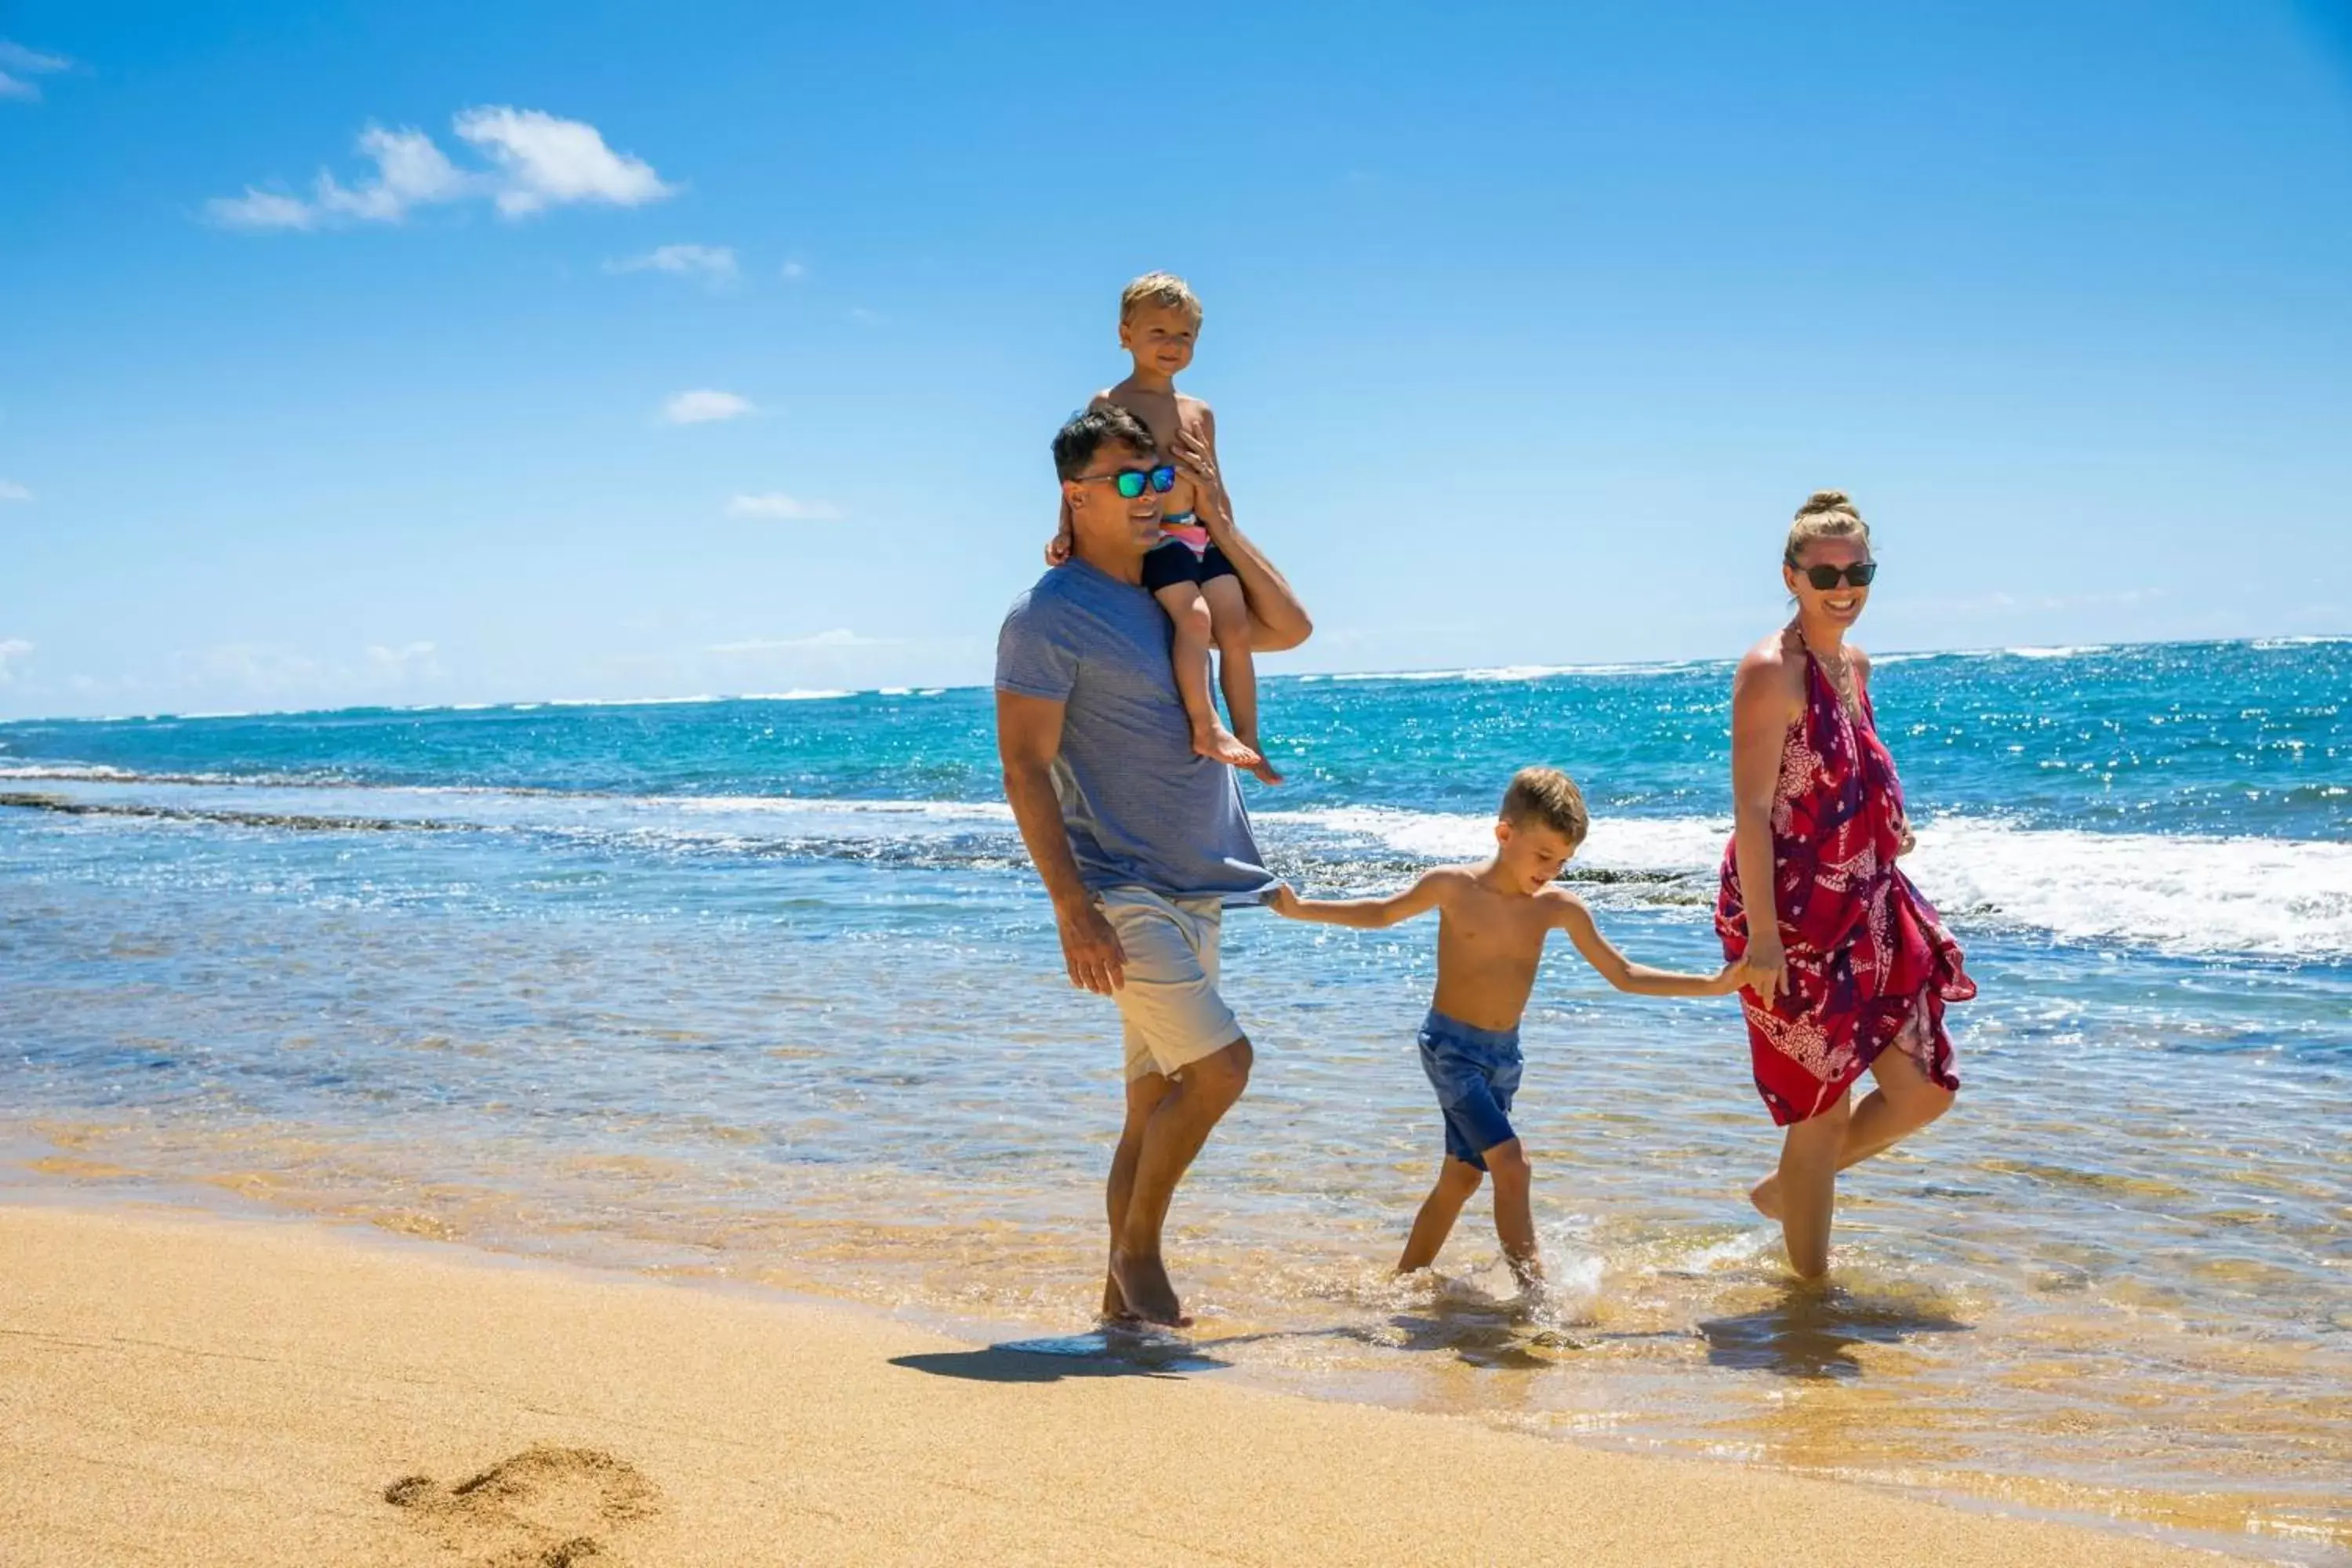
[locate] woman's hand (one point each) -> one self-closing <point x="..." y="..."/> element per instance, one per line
<point x="1907" y="844"/>
<point x="1766" y="967"/>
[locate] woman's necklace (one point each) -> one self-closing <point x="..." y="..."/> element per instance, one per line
<point x="1840" y="671"/>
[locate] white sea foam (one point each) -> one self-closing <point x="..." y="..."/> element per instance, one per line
<point x="795" y="695"/>
<point x="2277" y="898"/>
<point x="2059" y="652"/>
<point x="87" y="771"/>
<point x="1517" y="673"/>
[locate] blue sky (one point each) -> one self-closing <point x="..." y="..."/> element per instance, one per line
<point x="1527" y="328"/>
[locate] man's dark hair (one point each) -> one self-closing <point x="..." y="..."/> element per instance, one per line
<point x="1076" y="443"/>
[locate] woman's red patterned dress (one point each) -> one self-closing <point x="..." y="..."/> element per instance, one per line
<point x="1869" y="962"/>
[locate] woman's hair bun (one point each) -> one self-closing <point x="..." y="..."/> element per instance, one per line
<point x="1821" y="501"/>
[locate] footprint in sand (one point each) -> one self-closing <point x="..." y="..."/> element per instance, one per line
<point x="543" y="1508"/>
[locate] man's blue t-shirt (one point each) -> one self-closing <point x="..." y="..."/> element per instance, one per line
<point x="1141" y="810"/>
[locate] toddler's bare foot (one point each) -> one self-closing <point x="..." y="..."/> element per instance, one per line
<point x="1765" y="1196"/>
<point x="1144" y="1283"/>
<point x="1221" y="745"/>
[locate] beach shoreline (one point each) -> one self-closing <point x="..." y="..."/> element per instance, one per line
<point x="199" y="1388"/>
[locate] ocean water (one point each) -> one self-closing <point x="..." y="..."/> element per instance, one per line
<point x="760" y="990"/>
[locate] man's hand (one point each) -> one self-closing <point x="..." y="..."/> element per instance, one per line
<point x="1090" y="948"/>
<point x="1766" y="967"/>
<point x="1282" y="901"/>
<point x="1192" y="455"/>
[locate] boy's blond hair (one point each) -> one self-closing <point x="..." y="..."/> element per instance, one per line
<point x="1164" y="289"/>
<point x="1548" y="796"/>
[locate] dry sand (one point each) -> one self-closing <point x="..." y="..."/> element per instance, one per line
<point x="189" y="1390"/>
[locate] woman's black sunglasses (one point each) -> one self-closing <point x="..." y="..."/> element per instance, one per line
<point x="1824" y="578"/>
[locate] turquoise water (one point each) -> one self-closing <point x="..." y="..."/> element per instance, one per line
<point x="762" y="989"/>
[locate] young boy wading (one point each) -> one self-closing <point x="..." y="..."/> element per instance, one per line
<point x="1138" y="838"/>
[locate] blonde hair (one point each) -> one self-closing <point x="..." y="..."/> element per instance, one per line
<point x="1164" y="289"/>
<point x="1826" y="514"/>
<point x="1548" y="796"/>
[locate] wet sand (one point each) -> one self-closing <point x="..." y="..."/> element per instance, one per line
<point x="188" y="1390"/>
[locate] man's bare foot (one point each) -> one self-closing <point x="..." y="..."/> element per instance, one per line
<point x="1765" y="1196"/>
<point x="1219" y="744"/>
<point x="1114" y="1308"/>
<point x="1144" y="1283"/>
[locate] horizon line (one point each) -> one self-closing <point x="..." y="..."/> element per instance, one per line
<point x="1494" y="674"/>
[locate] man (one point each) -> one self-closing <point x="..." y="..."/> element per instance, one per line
<point x="1138" y="839"/>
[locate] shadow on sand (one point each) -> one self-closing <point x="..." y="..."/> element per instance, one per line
<point x="1105" y="1353"/>
<point x="1809" y="1331"/>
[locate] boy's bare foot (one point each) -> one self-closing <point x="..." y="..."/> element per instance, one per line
<point x="1765" y="1196"/>
<point x="1221" y="745"/>
<point x="1264" y="767"/>
<point x="1144" y="1283"/>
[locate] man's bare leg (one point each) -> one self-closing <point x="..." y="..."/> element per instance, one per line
<point x="1142" y="1095"/>
<point x="1905" y="1100"/>
<point x="1173" y="1131"/>
<point x="1229" y="623"/>
<point x="1808" y="1190"/>
<point x="1514" y="1216"/>
<point x="1188" y="610"/>
<point x="1456" y="1180"/>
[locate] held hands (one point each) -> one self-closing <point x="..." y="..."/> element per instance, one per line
<point x="1282" y="901"/>
<point x="1910" y="843"/>
<point x="1090" y="948"/>
<point x="1765" y="970"/>
<point x="1727" y="980"/>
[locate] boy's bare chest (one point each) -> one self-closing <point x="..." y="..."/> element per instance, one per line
<point x="1491" y="930"/>
<point x="1164" y="413"/>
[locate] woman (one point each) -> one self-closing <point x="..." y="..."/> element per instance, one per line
<point x="1848" y="968"/>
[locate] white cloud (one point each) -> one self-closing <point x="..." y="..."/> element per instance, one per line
<point x="793" y="271"/>
<point x="713" y="265"/>
<point x="261" y="210"/>
<point x="11" y="491"/>
<point x="414" y="661"/>
<point x="536" y="162"/>
<point x="550" y="161"/>
<point x="410" y="171"/>
<point x="11" y="647"/>
<point x="18" y="62"/>
<point x="839" y="638"/>
<point x="776" y="504"/>
<point x="701" y="407"/>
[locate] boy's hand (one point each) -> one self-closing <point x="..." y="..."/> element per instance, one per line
<point x="1282" y="901"/>
<point x="1908" y="843"/>
<point x="1057" y="549"/>
<point x="1727" y="980"/>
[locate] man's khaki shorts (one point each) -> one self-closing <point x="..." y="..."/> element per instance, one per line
<point x="1169" y="1005"/>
